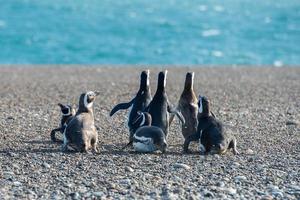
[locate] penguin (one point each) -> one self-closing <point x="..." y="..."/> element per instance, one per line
<point x="81" y="131"/>
<point x="188" y="106"/>
<point x="159" y="108"/>
<point x="138" y="103"/>
<point x="210" y="131"/>
<point x="148" y="138"/>
<point x="67" y="114"/>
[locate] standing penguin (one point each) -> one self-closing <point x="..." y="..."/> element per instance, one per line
<point x="138" y="103"/>
<point x="210" y="131"/>
<point x="81" y="131"/>
<point x="188" y="106"/>
<point x="67" y="114"/>
<point x="159" y="108"/>
<point x="148" y="138"/>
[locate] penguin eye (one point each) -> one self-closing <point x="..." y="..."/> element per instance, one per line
<point x="65" y="110"/>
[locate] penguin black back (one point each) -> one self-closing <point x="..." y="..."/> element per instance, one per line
<point x="210" y="131"/>
<point x="148" y="138"/>
<point x="67" y="114"/>
<point x="138" y="103"/>
<point x="159" y="104"/>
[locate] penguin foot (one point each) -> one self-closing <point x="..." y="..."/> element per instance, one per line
<point x="64" y="148"/>
<point x="95" y="150"/>
<point x="235" y="152"/>
<point x="187" y="151"/>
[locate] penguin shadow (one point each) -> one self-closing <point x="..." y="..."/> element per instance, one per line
<point x="39" y="142"/>
<point x="113" y="149"/>
<point x="22" y="151"/>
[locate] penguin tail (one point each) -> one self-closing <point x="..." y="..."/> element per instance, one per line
<point x="127" y="145"/>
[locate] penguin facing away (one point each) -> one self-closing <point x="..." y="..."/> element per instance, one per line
<point x="210" y="131"/>
<point x="67" y="114"/>
<point x="159" y="108"/>
<point x="80" y="132"/>
<point x="148" y="138"/>
<point x="138" y="103"/>
<point x="188" y="106"/>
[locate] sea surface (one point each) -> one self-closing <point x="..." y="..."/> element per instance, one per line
<point x="209" y="32"/>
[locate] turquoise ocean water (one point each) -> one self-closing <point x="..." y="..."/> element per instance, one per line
<point x="251" y="32"/>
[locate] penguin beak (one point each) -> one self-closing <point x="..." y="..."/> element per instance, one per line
<point x="60" y="105"/>
<point x="97" y="93"/>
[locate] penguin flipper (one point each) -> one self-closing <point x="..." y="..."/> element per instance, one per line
<point x="172" y="116"/>
<point x="121" y="106"/>
<point x="52" y="135"/>
<point x="177" y="113"/>
<point x="212" y="114"/>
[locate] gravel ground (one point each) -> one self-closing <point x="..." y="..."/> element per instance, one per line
<point x="261" y="104"/>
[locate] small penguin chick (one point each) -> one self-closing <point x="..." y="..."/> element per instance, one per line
<point x="148" y="138"/>
<point x="210" y="131"/>
<point x="67" y="113"/>
<point x="80" y="132"/>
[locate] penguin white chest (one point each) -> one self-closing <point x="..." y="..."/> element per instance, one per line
<point x="143" y="144"/>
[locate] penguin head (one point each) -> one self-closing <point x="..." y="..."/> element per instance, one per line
<point x="162" y="80"/>
<point x="66" y="110"/>
<point x="218" y="147"/>
<point x="142" y="119"/>
<point x="145" y="79"/>
<point x="87" y="99"/>
<point x="203" y="105"/>
<point x="189" y="80"/>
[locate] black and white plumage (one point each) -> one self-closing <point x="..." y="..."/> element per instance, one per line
<point x="138" y="103"/>
<point x="159" y="108"/>
<point x="80" y="132"/>
<point x="67" y="113"/>
<point x="148" y="138"/>
<point x="210" y="132"/>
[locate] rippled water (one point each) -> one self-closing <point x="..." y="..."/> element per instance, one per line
<point x="150" y="32"/>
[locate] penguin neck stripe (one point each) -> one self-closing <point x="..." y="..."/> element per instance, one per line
<point x="143" y="120"/>
<point x="200" y="106"/>
<point x="192" y="84"/>
<point x="148" y="82"/>
<point x="86" y="104"/>
<point x="165" y="78"/>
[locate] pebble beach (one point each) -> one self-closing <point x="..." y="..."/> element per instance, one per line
<point x="261" y="105"/>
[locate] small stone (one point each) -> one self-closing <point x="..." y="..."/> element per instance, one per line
<point x="207" y="193"/>
<point x="291" y="122"/>
<point x="249" y="151"/>
<point x="221" y="184"/>
<point x="11" y="154"/>
<point x="125" y="182"/>
<point x="128" y="169"/>
<point x="98" y="194"/>
<point x="230" y="190"/>
<point x="75" y="195"/>
<point x="181" y="165"/>
<point x="240" y="178"/>
<point x="277" y="194"/>
<point x="46" y="165"/>
<point x="17" y="183"/>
